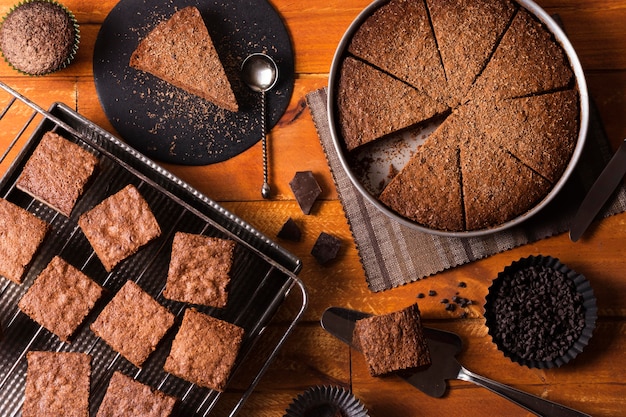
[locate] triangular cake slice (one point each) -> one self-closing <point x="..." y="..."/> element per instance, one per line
<point x="372" y="104"/>
<point x="181" y="52"/>
<point x="467" y="32"/>
<point x="497" y="187"/>
<point x="527" y="61"/>
<point x="403" y="27"/>
<point x="428" y="189"/>
<point x="541" y="131"/>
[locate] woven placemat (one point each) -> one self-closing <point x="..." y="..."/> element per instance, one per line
<point x="393" y="254"/>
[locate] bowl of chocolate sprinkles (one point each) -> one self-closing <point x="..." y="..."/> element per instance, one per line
<point x="540" y="313"/>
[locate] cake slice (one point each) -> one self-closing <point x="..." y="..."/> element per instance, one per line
<point x="57" y="384"/>
<point x="540" y="131"/>
<point x="181" y="52"/>
<point x="133" y="323"/>
<point x="496" y="186"/>
<point x="21" y="234"/>
<point x="118" y="226"/>
<point x="60" y="298"/>
<point x="199" y="270"/>
<point x="57" y="172"/>
<point x="204" y="350"/>
<point x="126" y="397"/>
<point x="467" y="32"/>
<point x="393" y="341"/>
<point x="403" y="27"/>
<point x="434" y="166"/>
<point x="372" y="104"/>
<point x="527" y="61"/>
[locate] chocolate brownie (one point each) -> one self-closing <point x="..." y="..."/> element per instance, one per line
<point x="393" y="341"/>
<point x="60" y="298"/>
<point x="372" y="104"/>
<point x="527" y="61"/>
<point x="403" y="26"/>
<point x="119" y="226"/>
<point x="181" y="52"/>
<point x="467" y="32"/>
<point x="434" y="166"/>
<point x="57" y="384"/>
<point x="21" y="234"/>
<point x="57" y="172"/>
<point x="39" y="37"/>
<point x="199" y="269"/>
<point x="204" y="350"/>
<point x="126" y="397"/>
<point x="133" y="323"/>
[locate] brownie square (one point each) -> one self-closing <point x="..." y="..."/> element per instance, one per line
<point x="57" y="172"/>
<point x="199" y="270"/>
<point x="119" y="226"/>
<point x="393" y="342"/>
<point x="21" y="234"/>
<point x="133" y="323"/>
<point x="127" y="397"/>
<point x="204" y="350"/>
<point x="60" y="298"/>
<point x="57" y="384"/>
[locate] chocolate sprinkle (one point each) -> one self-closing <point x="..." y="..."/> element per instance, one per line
<point x="538" y="313"/>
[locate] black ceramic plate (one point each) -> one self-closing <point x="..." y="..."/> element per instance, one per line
<point x="169" y="124"/>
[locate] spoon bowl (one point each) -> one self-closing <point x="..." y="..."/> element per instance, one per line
<point x="260" y="73"/>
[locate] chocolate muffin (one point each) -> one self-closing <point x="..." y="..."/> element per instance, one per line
<point x="38" y="37"/>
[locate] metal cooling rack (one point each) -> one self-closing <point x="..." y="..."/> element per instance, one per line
<point x="265" y="297"/>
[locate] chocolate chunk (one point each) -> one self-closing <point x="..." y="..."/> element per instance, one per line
<point x="326" y="248"/>
<point x="290" y="231"/>
<point x="306" y="190"/>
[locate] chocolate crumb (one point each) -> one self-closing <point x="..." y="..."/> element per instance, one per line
<point x="421" y="295"/>
<point x="462" y="284"/>
<point x="306" y="190"/>
<point x="432" y="293"/>
<point x="444" y="301"/>
<point x="450" y="307"/>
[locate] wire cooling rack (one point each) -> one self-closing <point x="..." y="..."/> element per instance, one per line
<point x="265" y="296"/>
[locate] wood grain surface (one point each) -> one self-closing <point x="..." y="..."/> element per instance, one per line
<point x="593" y="383"/>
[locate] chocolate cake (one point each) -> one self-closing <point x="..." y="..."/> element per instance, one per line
<point x="60" y="298"/>
<point x="118" y="226"/>
<point x="133" y="323"/>
<point x="21" y="235"/>
<point x="57" y="172"/>
<point x="57" y="384"/>
<point x="204" y="350"/>
<point x="467" y="32"/>
<point x="403" y="28"/>
<point x="393" y="341"/>
<point x="181" y="52"/>
<point x="199" y="270"/>
<point x="126" y="397"/>
<point x="510" y="117"/>
<point x="38" y="37"/>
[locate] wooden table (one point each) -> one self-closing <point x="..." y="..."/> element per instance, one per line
<point x="594" y="383"/>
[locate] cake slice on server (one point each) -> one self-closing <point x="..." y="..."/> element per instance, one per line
<point x="181" y="52"/>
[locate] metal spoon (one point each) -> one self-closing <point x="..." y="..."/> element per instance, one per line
<point x="260" y="73"/>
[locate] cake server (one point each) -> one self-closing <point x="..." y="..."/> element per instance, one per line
<point x="443" y="347"/>
<point x="599" y="193"/>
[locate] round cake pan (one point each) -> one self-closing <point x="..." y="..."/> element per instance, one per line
<point x="366" y="181"/>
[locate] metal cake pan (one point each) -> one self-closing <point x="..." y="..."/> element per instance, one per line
<point x="367" y="181"/>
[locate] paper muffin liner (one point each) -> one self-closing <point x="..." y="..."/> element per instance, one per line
<point x="74" y="49"/>
<point x="324" y="399"/>
<point x="582" y="287"/>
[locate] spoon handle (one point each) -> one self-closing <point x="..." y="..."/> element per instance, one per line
<point x="265" y="190"/>
<point x="532" y="403"/>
